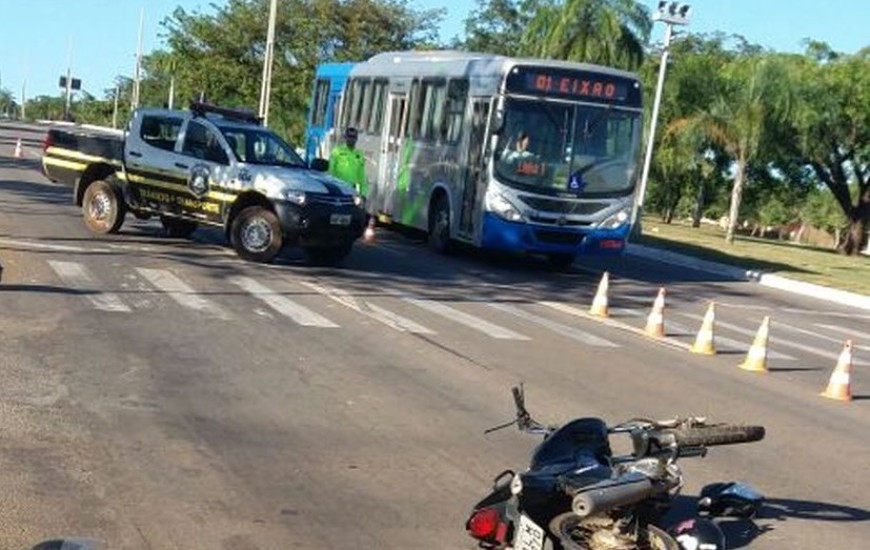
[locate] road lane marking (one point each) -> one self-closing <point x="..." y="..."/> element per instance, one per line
<point x="283" y="305"/>
<point x="457" y="316"/>
<point x="77" y="277"/>
<point x="833" y="356"/>
<point x="370" y="310"/>
<point x="851" y="333"/>
<point x="179" y="291"/>
<point x="559" y="328"/>
<point x="736" y="345"/>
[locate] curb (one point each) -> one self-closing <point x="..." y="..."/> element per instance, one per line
<point x="828" y="294"/>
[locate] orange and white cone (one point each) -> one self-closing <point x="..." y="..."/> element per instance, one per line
<point x="704" y="342"/>
<point x="840" y="385"/>
<point x="756" y="359"/>
<point x="599" y="304"/>
<point x="369" y="233"/>
<point x="655" y="323"/>
<point x="18" y="153"/>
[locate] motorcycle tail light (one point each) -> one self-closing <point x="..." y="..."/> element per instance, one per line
<point x="483" y="524"/>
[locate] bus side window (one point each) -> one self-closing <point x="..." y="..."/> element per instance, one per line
<point x="347" y="108"/>
<point x="365" y="105"/>
<point x="416" y="114"/>
<point x="379" y="94"/>
<point x="451" y="128"/>
<point x="434" y="96"/>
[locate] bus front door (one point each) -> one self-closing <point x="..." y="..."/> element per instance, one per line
<point x="390" y="169"/>
<point x="475" y="173"/>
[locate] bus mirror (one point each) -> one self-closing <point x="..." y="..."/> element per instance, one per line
<point x="497" y="122"/>
<point x="321" y="165"/>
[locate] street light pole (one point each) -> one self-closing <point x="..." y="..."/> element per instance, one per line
<point x="134" y="101"/>
<point x="671" y="13"/>
<point x="266" y="85"/>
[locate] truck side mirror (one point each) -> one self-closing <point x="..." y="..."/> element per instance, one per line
<point x="321" y="165"/>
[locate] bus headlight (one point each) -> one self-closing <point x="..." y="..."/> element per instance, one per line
<point x="296" y="196"/>
<point x="615" y="221"/>
<point x="501" y="207"/>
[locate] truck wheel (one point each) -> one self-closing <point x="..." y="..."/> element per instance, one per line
<point x="256" y="234"/>
<point x="328" y="255"/>
<point x="103" y="208"/>
<point x="439" y="226"/>
<point x="176" y="228"/>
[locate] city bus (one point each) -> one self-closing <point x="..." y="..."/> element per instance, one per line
<point x="329" y="80"/>
<point x="521" y="155"/>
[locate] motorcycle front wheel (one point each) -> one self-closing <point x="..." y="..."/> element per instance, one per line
<point x="576" y="533"/>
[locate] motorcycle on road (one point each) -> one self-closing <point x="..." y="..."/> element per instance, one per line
<point x="578" y="495"/>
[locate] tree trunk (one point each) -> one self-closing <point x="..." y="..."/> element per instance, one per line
<point x="800" y="233"/>
<point x="855" y="237"/>
<point x="699" y="205"/>
<point x="669" y="217"/>
<point x="736" y="195"/>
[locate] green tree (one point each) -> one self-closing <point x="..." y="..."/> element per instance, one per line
<point x="832" y="126"/>
<point x="497" y="26"/>
<point x="753" y="97"/>
<point x="605" y="32"/>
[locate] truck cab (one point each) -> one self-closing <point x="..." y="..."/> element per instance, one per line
<point x="210" y="166"/>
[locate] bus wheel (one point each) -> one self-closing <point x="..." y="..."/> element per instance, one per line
<point x="256" y="234"/>
<point x="561" y="262"/>
<point x="103" y="208"/>
<point x="439" y="225"/>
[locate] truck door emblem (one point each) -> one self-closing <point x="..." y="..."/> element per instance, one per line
<point x="198" y="182"/>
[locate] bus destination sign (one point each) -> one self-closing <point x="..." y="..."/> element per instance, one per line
<point x="567" y="84"/>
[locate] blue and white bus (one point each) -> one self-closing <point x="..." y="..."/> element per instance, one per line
<point x="502" y="153"/>
<point x="329" y="81"/>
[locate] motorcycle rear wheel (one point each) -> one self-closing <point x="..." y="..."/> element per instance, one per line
<point x="573" y="534"/>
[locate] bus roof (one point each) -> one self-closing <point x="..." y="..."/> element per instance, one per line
<point x="334" y="69"/>
<point x="452" y="62"/>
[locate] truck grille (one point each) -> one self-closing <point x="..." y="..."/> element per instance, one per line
<point x="331" y="200"/>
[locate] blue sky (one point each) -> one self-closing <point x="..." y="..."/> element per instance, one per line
<point x="34" y="34"/>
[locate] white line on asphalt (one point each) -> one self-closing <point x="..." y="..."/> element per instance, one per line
<point x="796" y="345"/>
<point x="852" y="333"/>
<point x="179" y="291"/>
<point x="46" y="246"/>
<point x="283" y="305"/>
<point x="373" y="311"/>
<point x="559" y="328"/>
<point x="466" y="319"/>
<point x="76" y="276"/>
<point x="736" y="345"/>
<point x="617" y="311"/>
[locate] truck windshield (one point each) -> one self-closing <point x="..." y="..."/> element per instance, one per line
<point x="258" y="146"/>
<point x="555" y="147"/>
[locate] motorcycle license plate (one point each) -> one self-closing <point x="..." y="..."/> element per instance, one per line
<point x="339" y="219"/>
<point x="529" y="535"/>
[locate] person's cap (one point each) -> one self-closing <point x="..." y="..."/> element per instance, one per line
<point x="351" y="133"/>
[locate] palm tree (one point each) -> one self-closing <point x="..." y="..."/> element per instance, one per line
<point x="754" y="94"/>
<point x="605" y="32"/>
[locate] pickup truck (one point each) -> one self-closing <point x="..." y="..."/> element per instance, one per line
<point x="207" y="166"/>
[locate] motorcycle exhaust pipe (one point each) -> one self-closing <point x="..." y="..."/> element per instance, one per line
<point x="611" y="493"/>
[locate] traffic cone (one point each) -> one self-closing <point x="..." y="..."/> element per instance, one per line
<point x="756" y="359"/>
<point x="655" y="323"/>
<point x="599" y="304"/>
<point x="704" y="342"/>
<point x="369" y="233"/>
<point x="840" y="386"/>
<point x="18" y="149"/>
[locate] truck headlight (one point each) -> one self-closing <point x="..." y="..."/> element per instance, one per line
<point x="615" y="221"/>
<point x="296" y="196"/>
<point x="501" y="207"/>
<point x="359" y="200"/>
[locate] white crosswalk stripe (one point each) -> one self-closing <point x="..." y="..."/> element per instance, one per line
<point x="559" y="328"/>
<point x="833" y="356"/>
<point x="179" y="291"/>
<point x="77" y="276"/>
<point x="736" y="345"/>
<point x="283" y="305"/>
<point x="466" y="319"/>
<point x="369" y="309"/>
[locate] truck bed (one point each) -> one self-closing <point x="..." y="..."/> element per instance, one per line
<point x="71" y="148"/>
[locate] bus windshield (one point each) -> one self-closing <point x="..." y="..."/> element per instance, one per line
<point x="257" y="146"/>
<point x="555" y="147"/>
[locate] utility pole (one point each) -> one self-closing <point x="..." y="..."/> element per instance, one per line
<point x="266" y="85"/>
<point x="134" y="100"/>
<point x="23" y="97"/>
<point x="671" y="13"/>
<point x="66" y="115"/>
<point x="115" y="110"/>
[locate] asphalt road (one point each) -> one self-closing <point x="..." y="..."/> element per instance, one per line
<point x="161" y="393"/>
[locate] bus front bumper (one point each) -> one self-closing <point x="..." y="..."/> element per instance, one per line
<point x="500" y="234"/>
